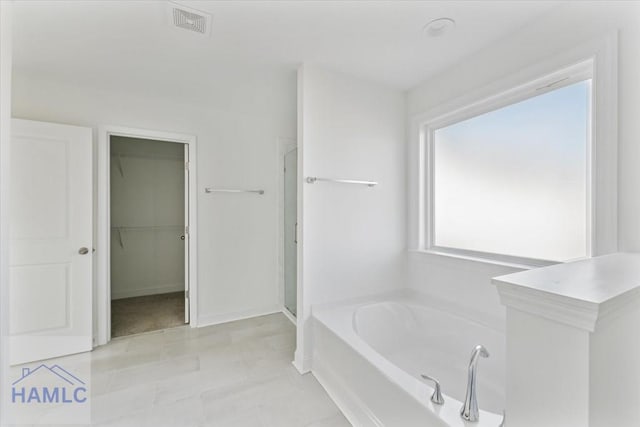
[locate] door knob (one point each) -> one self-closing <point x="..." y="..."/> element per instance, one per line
<point x="83" y="251"/>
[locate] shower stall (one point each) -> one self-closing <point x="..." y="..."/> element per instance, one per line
<point x="290" y="230"/>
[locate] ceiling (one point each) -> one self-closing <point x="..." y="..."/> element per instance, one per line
<point x="130" y="44"/>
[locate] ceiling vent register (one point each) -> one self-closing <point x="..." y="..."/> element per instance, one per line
<point x="190" y="19"/>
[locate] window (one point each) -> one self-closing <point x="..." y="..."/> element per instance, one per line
<point x="509" y="178"/>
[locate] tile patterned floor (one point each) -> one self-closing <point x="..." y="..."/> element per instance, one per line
<point x="238" y="374"/>
<point x="147" y="313"/>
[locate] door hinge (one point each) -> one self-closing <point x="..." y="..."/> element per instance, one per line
<point x="186" y="229"/>
<point x="186" y="294"/>
<point x="186" y="165"/>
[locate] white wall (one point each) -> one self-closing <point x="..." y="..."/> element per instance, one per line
<point x="5" y="140"/>
<point x="466" y="282"/>
<point x="353" y="237"/>
<point x="237" y="147"/>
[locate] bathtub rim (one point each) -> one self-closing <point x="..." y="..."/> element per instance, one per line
<point x="338" y="319"/>
<point x="413" y="296"/>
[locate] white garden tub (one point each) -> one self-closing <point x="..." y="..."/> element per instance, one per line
<point x="369" y="356"/>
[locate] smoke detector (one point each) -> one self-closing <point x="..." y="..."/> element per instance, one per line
<point x="439" y="27"/>
<point x="189" y="19"/>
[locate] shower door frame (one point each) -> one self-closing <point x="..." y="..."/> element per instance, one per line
<point x="284" y="146"/>
<point x="102" y="301"/>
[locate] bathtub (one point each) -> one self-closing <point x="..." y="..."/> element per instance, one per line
<point x="369" y="355"/>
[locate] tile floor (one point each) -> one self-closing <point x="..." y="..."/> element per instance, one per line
<point x="147" y="313"/>
<point x="238" y="374"/>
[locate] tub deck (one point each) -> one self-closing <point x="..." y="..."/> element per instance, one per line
<point x="369" y="355"/>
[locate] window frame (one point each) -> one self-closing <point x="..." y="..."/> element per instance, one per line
<point x="537" y="87"/>
<point x="598" y="58"/>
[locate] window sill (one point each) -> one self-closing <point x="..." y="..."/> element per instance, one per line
<point x="486" y="258"/>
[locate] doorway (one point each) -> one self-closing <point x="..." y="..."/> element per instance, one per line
<point x="148" y="211"/>
<point x="146" y="249"/>
<point x="291" y="230"/>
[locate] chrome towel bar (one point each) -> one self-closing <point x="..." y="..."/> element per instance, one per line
<point x="227" y="190"/>
<point x="314" y="179"/>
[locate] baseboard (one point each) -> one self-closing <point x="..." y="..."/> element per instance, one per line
<point x="302" y="365"/>
<point x="130" y="293"/>
<point x="290" y="316"/>
<point x="216" y="319"/>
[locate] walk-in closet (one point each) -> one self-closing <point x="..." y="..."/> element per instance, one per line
<point x="147" y="204"/>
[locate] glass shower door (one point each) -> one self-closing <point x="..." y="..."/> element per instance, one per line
<point x="290" y="231"/>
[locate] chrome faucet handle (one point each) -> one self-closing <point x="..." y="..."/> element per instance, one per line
<point x="436" y="397"/>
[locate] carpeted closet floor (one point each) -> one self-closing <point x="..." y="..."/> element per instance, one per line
<point x="147" y="313"/>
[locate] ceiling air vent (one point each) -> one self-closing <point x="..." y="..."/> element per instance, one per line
<point x="190" y="19"/>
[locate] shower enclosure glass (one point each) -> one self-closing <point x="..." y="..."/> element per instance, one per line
<point x="290" y="230"/>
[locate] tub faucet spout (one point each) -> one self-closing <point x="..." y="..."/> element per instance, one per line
<point x="469" y="411"/>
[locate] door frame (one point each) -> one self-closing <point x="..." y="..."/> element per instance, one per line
<point x="285" y="146"/>
<point x="102" y="312"/>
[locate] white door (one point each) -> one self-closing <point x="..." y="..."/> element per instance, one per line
<point x="50" y="241"/>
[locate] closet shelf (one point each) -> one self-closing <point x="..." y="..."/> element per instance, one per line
<point x="145" y="227"/>
<point x="119" y="230"/>
<point x="118" y="159"/>
<point x="147" y="157"/>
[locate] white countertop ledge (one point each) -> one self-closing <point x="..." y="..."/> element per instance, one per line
<point x="576" y="293"/>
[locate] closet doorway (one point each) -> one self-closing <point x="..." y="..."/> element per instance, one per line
<point x="149" y="237"/>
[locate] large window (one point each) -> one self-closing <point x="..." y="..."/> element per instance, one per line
<point x="511" y="178"/>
